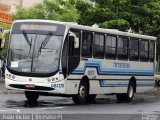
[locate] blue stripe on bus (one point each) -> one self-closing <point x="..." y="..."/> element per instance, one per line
<point x="124" y="84"/>
<point x="102" y="71"/>
<point x="115" y="82"/>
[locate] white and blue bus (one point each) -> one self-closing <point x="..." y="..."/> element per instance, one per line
<point x="66" y="59"/>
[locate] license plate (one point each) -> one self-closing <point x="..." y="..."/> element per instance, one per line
<point x="30" y="86"/>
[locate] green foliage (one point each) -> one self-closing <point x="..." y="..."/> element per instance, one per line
<point x="85" y="10"/>
<point x="36" y="12"/>
<point x="116" y="24"/>
<point x="3" y="51"/>
<point x="50" y="9"/>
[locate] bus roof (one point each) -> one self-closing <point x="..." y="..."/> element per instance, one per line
<point x="94" y="29"/>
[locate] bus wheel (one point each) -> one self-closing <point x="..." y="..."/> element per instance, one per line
<point x="128" y="97"/>
<point x="83" y="94"/>
<point x="31" y="96"/>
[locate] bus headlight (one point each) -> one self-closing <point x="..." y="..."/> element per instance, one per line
<point x="10" y="76"/>
<point x="52" y="79"/>
<point x="49" y="79"/>
<point x="13" y="77"/>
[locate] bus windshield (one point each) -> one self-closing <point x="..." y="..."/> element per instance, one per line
<point x="34" y="53"/>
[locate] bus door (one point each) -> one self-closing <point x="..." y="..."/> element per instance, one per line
<point x="71" y="53"/>
<point x="73" y="50"/>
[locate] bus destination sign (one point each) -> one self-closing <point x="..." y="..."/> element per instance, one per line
<point x="38" y="27"/>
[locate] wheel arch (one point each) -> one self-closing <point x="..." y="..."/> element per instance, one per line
<point x="86" y="80"/>
<point x="83" y="92"/>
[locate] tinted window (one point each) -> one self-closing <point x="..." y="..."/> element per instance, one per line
<point x="144" y="50"/>
<point x="151" y="51"/>
<point x="98" y="50"/>
<point x="87" y="44"/>
<point x="122" y="48"/>
<point x="133" y="47"/>
<point x="110" y="47"/>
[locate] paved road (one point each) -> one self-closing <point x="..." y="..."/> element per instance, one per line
<point x="145" y="105"/>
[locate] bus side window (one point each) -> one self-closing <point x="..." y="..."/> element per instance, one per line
<point x="144" y="51"/>
<point x="134" y="49"/>
<point x="86" y="44"/>
<point x="122" y="48"/>
<point x="98" y="46"/>
<point x="151" y="51"/>
<point x="110" y="47"/>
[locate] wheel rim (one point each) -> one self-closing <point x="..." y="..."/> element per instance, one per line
<point x="82" y="92"/>
<point x="131" y="91"/>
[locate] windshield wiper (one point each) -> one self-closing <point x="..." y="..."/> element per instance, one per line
<point x="27" y="39"/>
<point x="45" y="41"/>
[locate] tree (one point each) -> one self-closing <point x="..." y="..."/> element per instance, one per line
<point x="60" y="10"/>
<point x="36" y="12"/>
<point x="110" y="14"/>
<point x="85" y="10"/>
<point x="3" y="51"/>
<point x="139" y="15"/>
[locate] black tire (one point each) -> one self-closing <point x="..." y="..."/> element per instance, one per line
<point x="83" y="94"/>
<point x="127" y="97"/>
<point x="31" y="96"/>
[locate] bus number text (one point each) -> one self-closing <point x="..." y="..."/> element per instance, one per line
<point x="57" y="85"/>
<point x="90" y="72"/>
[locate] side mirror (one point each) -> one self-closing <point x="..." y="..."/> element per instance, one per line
<point x="76" y="39"/>
<point x="76" y="43"/>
